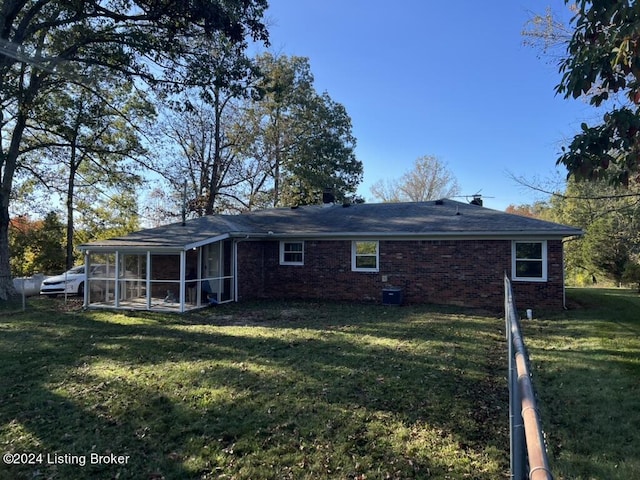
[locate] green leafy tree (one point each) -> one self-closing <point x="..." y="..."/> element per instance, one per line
<point x="46" y="45"/>
<point x="610" y="218"/>
<point x="606" y="248"/>
<point x="301" y="142"/>
<point x="324" y="156"/>
<point x="603" y="62"/>
<point x="50" y="252"/>
<point x="90" y="139"/>
<point x="109" y="214"/>
<point x="632" y="273"/>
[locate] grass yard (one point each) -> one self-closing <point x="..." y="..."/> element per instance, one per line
<point x="586" y="367"/>
<point x="269" y="391"/>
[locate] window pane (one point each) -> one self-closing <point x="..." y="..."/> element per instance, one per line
<point x="293" y="257"/>
<point x="292" y="252"/>
<point x="531" y="250"/>
<point x="529" y="268"/>
<point x="366" y="262"/>
<point x="293" y="247"/>
<point x="366" y="248"/>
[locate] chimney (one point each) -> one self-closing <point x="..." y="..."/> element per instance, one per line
<point x="328" y="196"/>
<point x="477" y="200"/>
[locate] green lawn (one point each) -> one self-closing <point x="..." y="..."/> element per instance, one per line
<point x="313" y="391"/>
<point x="260" y="391"/>
<point x="586" y="367"/>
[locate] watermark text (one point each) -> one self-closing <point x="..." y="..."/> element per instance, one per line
<point x="31" y="458"/>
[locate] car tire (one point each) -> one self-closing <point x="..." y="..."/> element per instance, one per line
<point x="81" y="289"/>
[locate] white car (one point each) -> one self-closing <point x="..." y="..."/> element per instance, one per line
<point x="72" y="282"/>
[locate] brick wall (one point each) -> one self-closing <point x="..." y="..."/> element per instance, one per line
<point x="458" y="272"/>
<point x="547" y="294"/>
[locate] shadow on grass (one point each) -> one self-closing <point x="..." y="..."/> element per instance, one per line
<point x="587" y="365"/>
<point x="200" y="397"/>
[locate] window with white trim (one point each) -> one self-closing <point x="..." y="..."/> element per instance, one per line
<point x="529" y="260"/>
<point x="291" y="253"/>
<point x="364" y="256"/>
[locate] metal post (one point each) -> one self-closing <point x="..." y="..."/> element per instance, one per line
<point x="116" y="275"/>
<point x="87" y="280"/>
<point x="148" y="280"/>
<point x="518" y="454"/>
<point x="528" y="450"/>
<point x="516" y="434"/>
<point x="183" y="275"/>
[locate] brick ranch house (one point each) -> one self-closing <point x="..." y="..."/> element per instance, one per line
<point x="443" y="252"/>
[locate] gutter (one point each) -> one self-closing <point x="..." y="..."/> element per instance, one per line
<point x="492" y="235"/>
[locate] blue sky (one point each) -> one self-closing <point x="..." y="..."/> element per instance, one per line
<point x="450" y="79"/>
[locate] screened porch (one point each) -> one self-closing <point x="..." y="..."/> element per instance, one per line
<point x="160" y="279"/>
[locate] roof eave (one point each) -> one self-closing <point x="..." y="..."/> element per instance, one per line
<point x="468" y="235"/>
<point x="143" y="247"/>
<point x="476" y="235"/>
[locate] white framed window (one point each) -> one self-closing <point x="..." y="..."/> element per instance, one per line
<point x="365" y="256"/>
<point x="529" y="260"/>
<point x="292" y="252"/>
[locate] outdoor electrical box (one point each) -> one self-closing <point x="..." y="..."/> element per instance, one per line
<point x="392" y="296"/>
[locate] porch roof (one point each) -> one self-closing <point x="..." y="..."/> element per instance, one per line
<point x="433" y="219"/>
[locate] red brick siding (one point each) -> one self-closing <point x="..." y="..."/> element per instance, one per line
<point x="458" y="272"/>
<point x="549" y="294"/>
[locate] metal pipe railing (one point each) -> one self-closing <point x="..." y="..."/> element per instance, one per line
<point x="527" y="444"/>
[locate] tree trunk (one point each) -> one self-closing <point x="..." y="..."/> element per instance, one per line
<point x="8" y="164"/>
<point x="276" y="171"/>
<point x="215" y="168"/>
<point x="70" y="226"/>
<point x="74" y="165"/>
<point x="6" y="283"/>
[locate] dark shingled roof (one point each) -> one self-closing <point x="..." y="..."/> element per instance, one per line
<point x="433" y="219"/>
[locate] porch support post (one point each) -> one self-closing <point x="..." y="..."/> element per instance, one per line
<point x="148" y="280"/>
<point x="183" y="274"/>
<point x="199" y="279"/>
<point x="116" y="273"/>
<point x="87" y="284"/>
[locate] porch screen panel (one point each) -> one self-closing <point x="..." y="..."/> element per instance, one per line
<point x="227" y="271"/>
<point x="165" y="279"/>
<point x="217" y="272"/>
<point x="101" y="278"/>
<point x="133" y="278"/>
